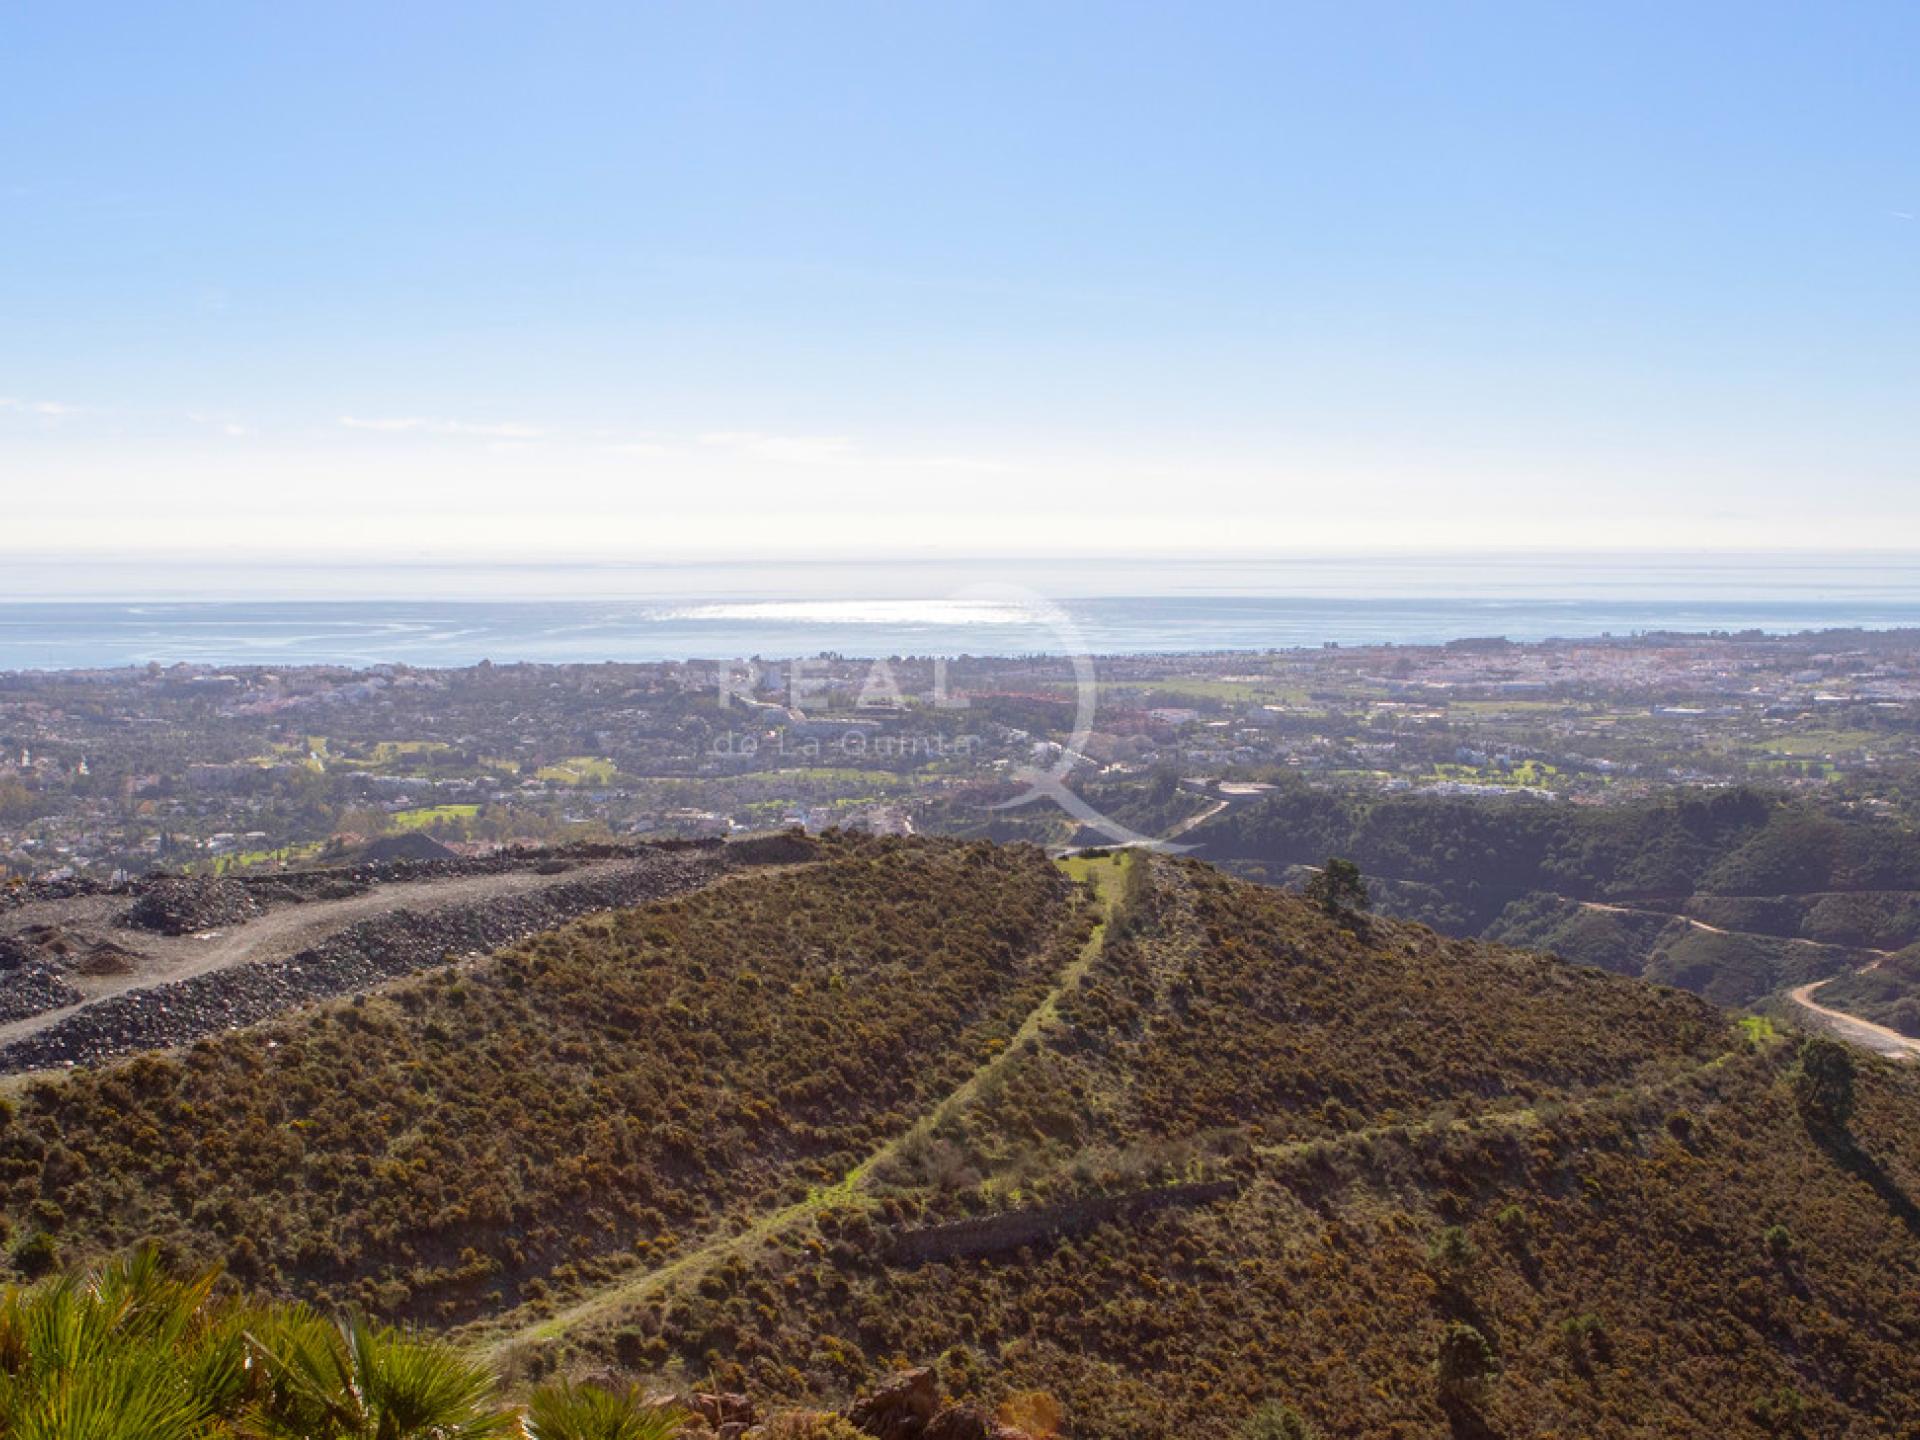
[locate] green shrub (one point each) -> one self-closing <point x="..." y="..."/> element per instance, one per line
<point x="1779" y="1413"/>
<point x="1451" y="1248"/>
<point x="1584" y="1337"/>
<point x="565" y="1411"/>
<point x="36" y="1255"/>
<point x="1466" y="1361"/>
<point x="1823" y="1085"/>
<point x="1274" y="1421"/>
<point x="1338" y="889"/>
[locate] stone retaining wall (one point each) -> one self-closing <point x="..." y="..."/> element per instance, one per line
<point x="997" y="1234"/>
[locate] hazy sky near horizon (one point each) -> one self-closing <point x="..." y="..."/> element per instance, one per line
<point x="888" y="277"/>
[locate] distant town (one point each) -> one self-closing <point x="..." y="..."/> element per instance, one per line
<point x="111" y="773"/>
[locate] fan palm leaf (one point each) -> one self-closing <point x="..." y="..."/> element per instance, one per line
<point x="565" y="1411"/>
<point x="354" y="1380"/>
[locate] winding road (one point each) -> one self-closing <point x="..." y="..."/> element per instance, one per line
<point x="1865" y="1033"/>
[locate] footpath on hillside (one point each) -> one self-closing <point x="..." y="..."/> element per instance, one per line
<point x="1106" y="873"/>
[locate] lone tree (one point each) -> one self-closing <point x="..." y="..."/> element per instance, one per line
<point x="1823" y="1085"/>
<point x="1466" y="1362"/>
<point x="1338" y="889"/>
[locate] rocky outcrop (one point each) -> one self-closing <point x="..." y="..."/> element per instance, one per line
<point x="722" y="1409"/>
<point x="899" y="1409"/>
<point x="906" y="1407"/>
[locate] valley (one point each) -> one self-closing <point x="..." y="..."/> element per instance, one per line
<point x="1741" y="895"/>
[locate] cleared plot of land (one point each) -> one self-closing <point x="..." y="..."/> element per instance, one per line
<point x="579" y="770"/>
<point x="160" y="960"/>
<point x="424" y="817"/>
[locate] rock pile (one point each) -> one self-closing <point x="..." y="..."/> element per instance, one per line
<point x="15" y="951"/>
<point x="33" y="989"/>
<point x="335" y="882"/>
<point x="13" y="896"/>
<point x="413" y="845"/>
<point x="906" y="1407"/>
<point x="187" y="904"/>
<point x="34" y="964"/>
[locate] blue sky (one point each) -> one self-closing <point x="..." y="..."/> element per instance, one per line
<point x="718" y="278"/>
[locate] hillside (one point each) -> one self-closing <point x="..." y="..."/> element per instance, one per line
<point x="1164" y="1144"/>
<point x="1735" y="894"/>
<point x="1407" y="1133"/>
<point x="490" y="1131"/>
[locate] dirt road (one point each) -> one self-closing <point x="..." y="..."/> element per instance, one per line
<point x="162" y="960"/>
<point x="1865" y="1033"/>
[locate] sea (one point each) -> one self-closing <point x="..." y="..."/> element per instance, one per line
<point x="97" y="612"/>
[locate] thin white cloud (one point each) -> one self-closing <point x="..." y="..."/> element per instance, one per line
<point x="843" y="452"/>
<point x="230" y="428"/>
<point x="785" y="449"/>
<point x="45" y="409"/>
<point x="428" y="425"/>
<point x="749" y="447"/>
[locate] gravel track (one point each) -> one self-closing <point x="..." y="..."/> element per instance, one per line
<point x="179" y="989"/>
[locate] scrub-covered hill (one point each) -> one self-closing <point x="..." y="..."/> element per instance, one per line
<point x="1735" y="894"/>
<point x="1124" y="1136"/>
<point x="503" y="1129"/>
<point x="1394" y="1184"/>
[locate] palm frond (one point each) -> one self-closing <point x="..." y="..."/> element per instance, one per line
<point x="566" y="1411"/>
<point x="361" y="1381"/>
